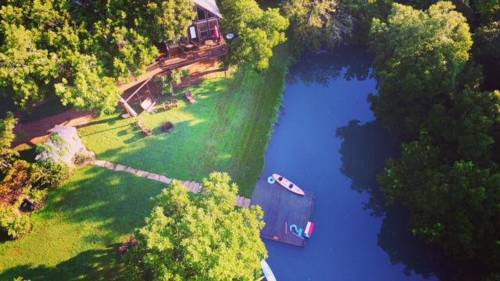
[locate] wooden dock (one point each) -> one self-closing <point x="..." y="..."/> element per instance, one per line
<point x="281" y="209"/>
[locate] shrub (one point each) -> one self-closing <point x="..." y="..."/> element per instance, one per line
<point x="84" y="158"/>
<point x="16" y="182"/>
<point x="13" y="222"/>
<point x="38" y="196"/>
<point x="46" y="174"/>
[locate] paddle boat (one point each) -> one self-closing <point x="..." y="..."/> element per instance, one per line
<point x="309" y="229"/>
<point x="266" y="269"/>
<point x="287" y="184"/>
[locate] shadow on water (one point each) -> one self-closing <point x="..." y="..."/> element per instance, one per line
<point x="322" y="68"/>
<point x="364" y="151"/>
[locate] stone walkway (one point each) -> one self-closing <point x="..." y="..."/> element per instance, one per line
<point x="192" y="186"/>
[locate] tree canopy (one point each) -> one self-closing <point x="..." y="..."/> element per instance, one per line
<point x="199" y="237"/>
<point x="258" y="31"/>
<point x="419" y="57"/>
<point x="430" y="93"/>
<point x="317" y="24"/>
<point x="78" y="50"/>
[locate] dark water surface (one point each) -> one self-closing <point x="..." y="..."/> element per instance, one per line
<point x="327" y="141"/>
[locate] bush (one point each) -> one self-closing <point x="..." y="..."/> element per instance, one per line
<point x="38" y="196"/>
<point x="47" y="174"/>
<point x="16" y="182"/>
<point x="13" y="222"/>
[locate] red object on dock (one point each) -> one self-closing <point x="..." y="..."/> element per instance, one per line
<point x="309" y="229"/>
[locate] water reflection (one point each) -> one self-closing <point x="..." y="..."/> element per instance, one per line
<point x="364" y="151"/>
<point x="322" y="68"/>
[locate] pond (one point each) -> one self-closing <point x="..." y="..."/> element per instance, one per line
<point x="327" y="141"/>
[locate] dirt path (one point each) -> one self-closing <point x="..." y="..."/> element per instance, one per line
<point x="36" y="132"/>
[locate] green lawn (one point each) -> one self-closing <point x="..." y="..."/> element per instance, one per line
<point x="75" y="236"/>
<point x="226" y="130"/>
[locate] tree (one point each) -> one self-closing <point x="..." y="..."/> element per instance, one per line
<point x="452" y="205"/>
<point x="487" y="53"/>
<point x="316" y="24"/>
<point x="7" y="136"/>
<point x="166" y="20"/>
<point x="419" y="58"/>
<point x="257" y="31"/>
<point x="24" y="68"/>
<point x="199" y="237"/>
<point x="85" y="86"/>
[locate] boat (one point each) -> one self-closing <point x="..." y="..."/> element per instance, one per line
<point x="290" y="186"/>
<point x="266" y="269"/>
<point x="309" y="229"/>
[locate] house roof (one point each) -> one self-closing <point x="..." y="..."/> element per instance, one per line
<point x="210" y="6"/>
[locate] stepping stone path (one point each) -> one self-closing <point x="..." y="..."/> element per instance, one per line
<point x="192" y="186"/>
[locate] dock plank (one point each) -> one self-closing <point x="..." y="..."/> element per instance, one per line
<point x="281" y="209"/>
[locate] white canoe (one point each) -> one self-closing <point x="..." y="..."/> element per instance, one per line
<point x="290" y="186"/>
<point x="266" y="269"/>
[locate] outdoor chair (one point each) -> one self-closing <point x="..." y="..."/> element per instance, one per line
<point x="190" y="98"/>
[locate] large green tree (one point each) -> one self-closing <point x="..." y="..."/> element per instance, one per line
<point x="419" y="58"/>
<point x="199" y="237"/>
<point x="453" y="204"/>
<point x="258" y="31"/>
<point x="77" y="50"/>
<point x="317" y="24"/>
<point x="429" y="92"/>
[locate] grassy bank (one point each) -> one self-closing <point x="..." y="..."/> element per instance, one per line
<point x="227" y="129"/>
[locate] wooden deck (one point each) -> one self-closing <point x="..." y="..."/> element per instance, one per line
<point x="281" y="209"/>
<point x="205" y="52"/>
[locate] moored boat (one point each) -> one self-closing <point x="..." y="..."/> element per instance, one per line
<point x="266" y="269"/>
<point x="290" y="186"/>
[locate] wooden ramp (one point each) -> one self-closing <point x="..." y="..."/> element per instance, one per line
<point x="281" y="209"/>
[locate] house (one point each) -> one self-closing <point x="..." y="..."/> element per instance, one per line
<point x="207" y="22"/>
<point x="203" y="41"/>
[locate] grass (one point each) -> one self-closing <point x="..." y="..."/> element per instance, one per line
<point x="75" y="236"/>
<point x="227" y="129"/>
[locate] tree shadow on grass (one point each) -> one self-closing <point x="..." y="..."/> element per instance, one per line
<point x="117" y="202"/>
<point x="103" y="264"/>
<point x="364" y="151"/>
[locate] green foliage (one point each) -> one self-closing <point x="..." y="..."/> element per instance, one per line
<point x="165" y="20"/>
<point x="7" y="135"/>
<point x="257" y="31"/>
<point x="433" y="190"/>
<point x="318" y="24"/>
<point x="204" y="237"/>
<point x="47" y="174"/>
<point x="487" y="53"/>
<point x="14" y="223"/>
<point x="448" y="175"/>
<point x="16" y="182"/>
<point x="419" y="57"/>
<point x="362" y="13"/>
<point x="56" y="48"/>
<point x="488" y="10"/>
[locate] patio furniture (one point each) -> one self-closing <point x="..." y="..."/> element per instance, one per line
<point x="190" y="98"/>
<point x="148" y="104"/>
<point x="147" y="132"/>
<point x="170" y="104"/>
